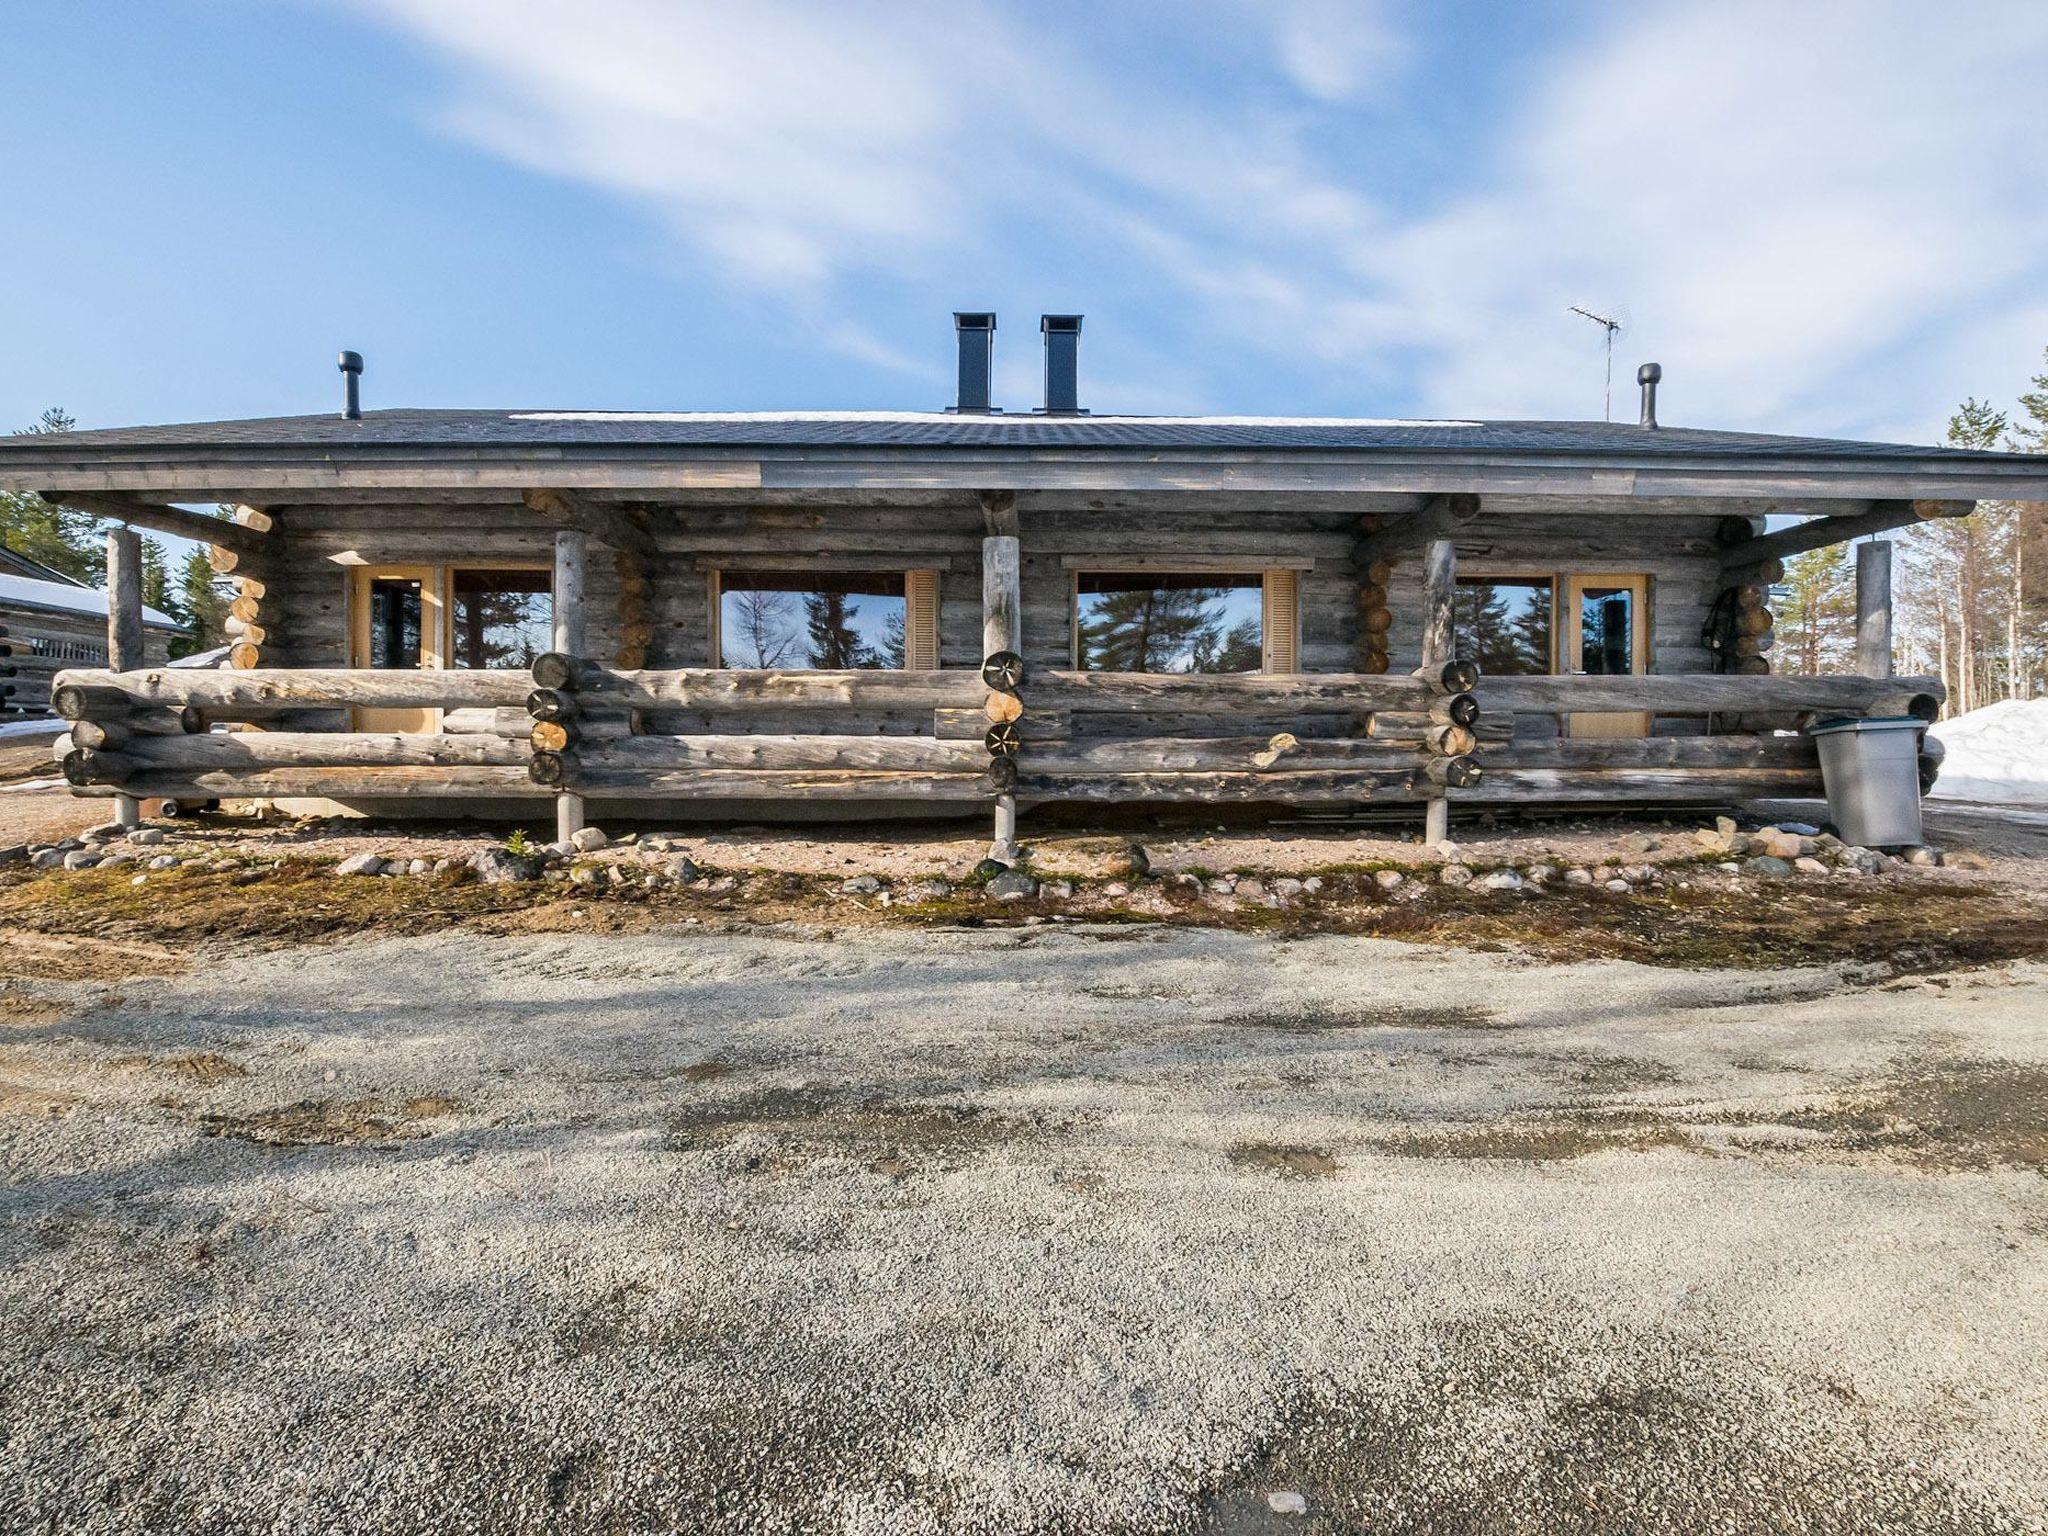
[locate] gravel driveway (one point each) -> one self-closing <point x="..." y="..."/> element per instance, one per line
<point x="1021" y="1230"/>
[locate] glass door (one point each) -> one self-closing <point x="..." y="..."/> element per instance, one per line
<point x="1607" y="635"/>
<point x="395" y="625"/>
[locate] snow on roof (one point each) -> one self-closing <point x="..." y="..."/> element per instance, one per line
<point x="62" y="597"/>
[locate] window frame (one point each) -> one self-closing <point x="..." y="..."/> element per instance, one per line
<point x="545" y="568"/>
<point x="1269" y="574"/>
<point x="1557" y="581"/>
<point x="918" y="631"/>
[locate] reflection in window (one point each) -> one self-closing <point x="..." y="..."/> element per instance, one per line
<point x="1607" y="631"/>
<point x="1154" y="623"/>
<point x="827" y="621"/>
<point x="502" y="619"/>
<point x="1504" y="625"/>
<point x="394" y="623"/>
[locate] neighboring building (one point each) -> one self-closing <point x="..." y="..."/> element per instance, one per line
<point x="784" y="611"/>
<point x="52" y="623"/>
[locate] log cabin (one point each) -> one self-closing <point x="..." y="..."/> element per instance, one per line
<point x="49" y="622"/>
<point x="977" y="609"/>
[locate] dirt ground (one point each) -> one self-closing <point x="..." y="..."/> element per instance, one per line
<point x="396" y="1204"/>
<point x="1028" y="1229"/>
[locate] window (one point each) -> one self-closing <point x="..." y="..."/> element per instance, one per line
<point x="67" y="650"/>
<point x="827" y="620"/>
<point x="500" y="619"/>
<point x="1151" y="622"/>
<point x="1607" y="630"/>
<point x="1505" y="624"/>
<point x="394" y="622"/>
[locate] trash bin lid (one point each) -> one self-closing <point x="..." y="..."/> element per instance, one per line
<point x="1866" y="723"/>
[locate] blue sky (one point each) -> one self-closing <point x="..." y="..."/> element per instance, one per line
<point x="1820" y="218"/>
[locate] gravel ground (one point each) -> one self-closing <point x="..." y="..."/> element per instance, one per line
<point x="1019" y="1230"/>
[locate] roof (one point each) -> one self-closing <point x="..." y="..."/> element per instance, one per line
<point x="13" y="561"/>
<point x="944" y="429"/>
<point x="67" y="597"/>
<point x="823" y="449"/>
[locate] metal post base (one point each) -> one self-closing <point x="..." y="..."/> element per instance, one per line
<point x="1436" y="826"/>
<point x="568" y="817"/>
<point x="127" y="811"/>
<point x="1004" y="849"/>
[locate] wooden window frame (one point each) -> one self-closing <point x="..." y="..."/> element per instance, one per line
<point x="1559" y="583"/>
<point x="934" y="570"/>
<point x="1078" y="566"/>
<point x="448" y="572"/>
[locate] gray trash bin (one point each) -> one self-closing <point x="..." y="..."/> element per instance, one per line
<point x="1872" y="772"/>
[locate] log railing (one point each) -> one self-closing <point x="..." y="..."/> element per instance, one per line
<point x="1072" y="736"/>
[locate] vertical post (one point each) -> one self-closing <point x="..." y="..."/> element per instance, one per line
<point x="124" y="630"/>
<point x="1439" y="588"/>
<point x="1002" y="629"/>
<point x="570" y="639"/>
<point x="1874" y="608"/>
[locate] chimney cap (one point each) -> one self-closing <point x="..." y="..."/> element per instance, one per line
<point x="1048" y="323"/>
<point x="1649" y="373"/>
<point x="350" y="362"/>
<point x="1647" y="376"/>
<point x="974" y="320"/>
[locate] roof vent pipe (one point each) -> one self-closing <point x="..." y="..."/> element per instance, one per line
<point x="976" y="332"/>
<point x="1062" y="364"/>
<point x="1647" y="376"/>
<point x="351" y="365"/>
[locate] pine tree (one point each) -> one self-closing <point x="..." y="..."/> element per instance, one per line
<point x="204" y="601"/>
<point x="65" y="541"/>
<point x="1816" y="630"/>
<point x="1155" y="629"/>
<point x="835" y="643"/>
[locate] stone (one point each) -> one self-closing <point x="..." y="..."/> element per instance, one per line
<point x="1501" y="880"/>
<point x="360" y="864"/>
<point x="1714" y="840"/>
<point x="585" y="874"/>
<point x="1287" y="1502"/>
<point x="1250" y="887"/>
<point x="684" y="870"/>
<point x="146" y="837"/>
<point x="140" y="880"/>
<point x="1808" y="865"/>
<point x="1767" y="865"/>
<point x="501" y="866"/>
<point x="1131" y="862"/>
<point x="1446" y="850"/>
<point x="1313" y="884"/>
<point x="1049" y="890"/>
<point x="1540" y="874"/>
<point x="1578" y="877"/>
<point x="588" y="839"/>
<point x="988" y="869"/>
<point x="1923" y="857"/>
<point x="1287" y="889"/>
<point x="1637" y="842"/>
<point x="1223" y="885"/>
<point x="116" y="860"/>
<point x="1865" y="861"/>
<point x="1387" y="879"/>
<point x="1799" y="828"/>
<point x="419" y="867"/>
<point x="1116" y="888"/>
<point x="163" y="861"/>
<point x="1778" y="843"/>
<point x="1454" y="874"/>
<point x="928" y="889"/>
<point x="1637" y="874"/>
<point x="14" y="853"/>
<point x="106" y="832"/>
<point x="1602" y="873"/>
<point x="1013" y="885"/>
<point x="1966" y="858"/>
<point x="860" y="885"/>
<point x="1725" y="825"/>
<point x="1616" y="886"/>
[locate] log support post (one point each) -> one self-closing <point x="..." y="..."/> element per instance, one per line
<point x="570" y="640"/>
<point x="1874" y="608"/>
<point x="1002" y="629"/>
<point x="1439" y="590"/>
<point x="124" y="630"/>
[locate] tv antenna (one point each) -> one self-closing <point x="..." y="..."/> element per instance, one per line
<point x="1611" y="325"/>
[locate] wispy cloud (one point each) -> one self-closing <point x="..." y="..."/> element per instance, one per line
<point x="1786" y="199"/>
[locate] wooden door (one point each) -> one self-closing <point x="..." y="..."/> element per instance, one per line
<point x="395" y="623"/>
<point x="1607" y="634"/>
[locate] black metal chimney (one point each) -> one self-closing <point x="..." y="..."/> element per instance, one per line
<point x="351" y="365"/>
<point x="1647" y="376"/>
<point x="976" y="332"/>
<point x="1062" y="364"/>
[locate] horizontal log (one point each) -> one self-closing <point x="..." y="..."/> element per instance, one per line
<point x="1453" y="772"/>
<point x="901" y="754"/>
<point x="1819" y="532"/>
<point x="83" y="765"/>
<point x="1330" y="787"/>
<point x="1217" y="754"/>
<point x="793" y="784"/>
<point x="723" y="688"/>
<point x="1596" y="753"/>
<point x="289" y="688"/>
<point x="1448" y="740"/>
<point x="314" y="749"/>
<point x="972" y="724"/>
<point x="332" y="783"/>
<point x="113" y="735"/>
<point x="1698" y="786"/>
<point x="248" y="542"/>
<point x="1305" y="693"/>
<point x="1681" y="693"/>
<point x="502" y="721"/>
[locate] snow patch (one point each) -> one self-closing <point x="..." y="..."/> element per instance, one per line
<point x="63" y="597"/>
<point x="1998" y="753"/>
<point x="17" y="728"/>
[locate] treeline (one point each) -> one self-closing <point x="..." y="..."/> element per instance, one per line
<point x="74" y="544"/>
<point x="1970" y="594"/>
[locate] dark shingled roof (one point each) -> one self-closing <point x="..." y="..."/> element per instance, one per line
<point x="398" y="429"/>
